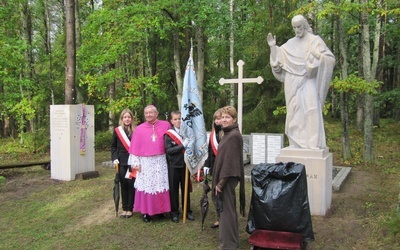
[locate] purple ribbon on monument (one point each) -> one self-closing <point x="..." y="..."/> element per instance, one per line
<point x="82" y="145"/>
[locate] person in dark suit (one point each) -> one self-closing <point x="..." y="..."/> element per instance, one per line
<point x="120" y="144"/>
<point x="174" y="148"/>
<point x="213" y="142"/>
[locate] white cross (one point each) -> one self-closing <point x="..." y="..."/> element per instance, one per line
<point x="240" y="80"/>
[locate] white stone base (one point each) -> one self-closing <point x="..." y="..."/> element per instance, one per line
<point x="318" y="163"/>
<point x="67" y="160"/>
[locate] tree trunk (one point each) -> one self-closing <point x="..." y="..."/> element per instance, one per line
<point x="368" y="128"/>
<point x="346" y="150"/>
<point x="231" y="53"/>
<point x="344" y="96"/>
<point x="30" y="59"/>
<point x="6" y="127"/>
<point x="70" y="70"/>
<point x="79" y="93"/>
<point x="47" y="41"/>
<point x="360" y="97"/>
<point x="375" y="58"/>
<point x="200" y="61"/>
<point x="177" y="66"/>
<point x="111" y="115"/>
<point x="360" y="112"/>
<point x="369" y="70"/>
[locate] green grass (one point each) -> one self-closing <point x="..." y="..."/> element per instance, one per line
<point x="40" y="213"/>
<point x="80" y="215"/>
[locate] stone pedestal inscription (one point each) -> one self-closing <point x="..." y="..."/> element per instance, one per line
<point x="265" y="147"/>
<point x="318" y="163"/>
<point x="72" y="140"/>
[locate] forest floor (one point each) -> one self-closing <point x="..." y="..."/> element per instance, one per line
<point x="354" y="220"/>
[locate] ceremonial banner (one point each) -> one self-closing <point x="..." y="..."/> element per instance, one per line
<point x="192" y="125"/>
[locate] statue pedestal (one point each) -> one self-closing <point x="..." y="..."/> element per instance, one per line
<point x="318" y="163"/>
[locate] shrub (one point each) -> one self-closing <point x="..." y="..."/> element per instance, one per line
<point x="102" y="140"/>
<point x="37" y="141"/>
<point x="2" y="180"/>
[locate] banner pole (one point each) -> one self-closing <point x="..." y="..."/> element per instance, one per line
<point x="185" y="198"/>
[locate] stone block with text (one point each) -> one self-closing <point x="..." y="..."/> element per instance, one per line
<point x="72" y="141"/>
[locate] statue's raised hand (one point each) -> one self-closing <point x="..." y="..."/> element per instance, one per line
<point x="271" y="40"/>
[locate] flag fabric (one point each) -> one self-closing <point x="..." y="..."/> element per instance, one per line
<point x="192" y="126"/>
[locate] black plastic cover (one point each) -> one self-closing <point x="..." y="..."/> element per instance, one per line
<point x="279" y="200"/>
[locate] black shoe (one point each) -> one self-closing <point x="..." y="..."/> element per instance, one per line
<point x="190" y="216"/>
<point x="146" y="218"/>
<point x="175" y="219"/>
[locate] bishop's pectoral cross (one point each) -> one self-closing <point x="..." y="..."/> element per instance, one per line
<point x="153" y="136"/>
<point x="240" y="80"/>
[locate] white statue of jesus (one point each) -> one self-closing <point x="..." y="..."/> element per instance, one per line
<point x="305" y="65"/>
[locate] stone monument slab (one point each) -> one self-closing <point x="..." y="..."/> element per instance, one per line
<point x="265" y="147"/>
<point x="72" y="141"/>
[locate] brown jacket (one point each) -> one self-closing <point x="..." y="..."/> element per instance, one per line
<point x="229" y="161"/>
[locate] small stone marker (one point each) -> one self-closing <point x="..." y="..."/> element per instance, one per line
<point x="265" y="147"/>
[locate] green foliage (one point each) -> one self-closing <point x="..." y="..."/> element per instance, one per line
<point x="395" y="11"/>
<point x="355" y="84"/>
<point x="398" y="206"/>
<point x="392" y="222"/>
<point x="2" y="181"/>
<point x="11" y="147"/>
<point x="23" y="112"/>
<point x="102" y="140"/>
<point x="389" y="103"/>
<point x="280" y="111"/>
<point x="129" y="45"/>
<point x="38" y="141"/>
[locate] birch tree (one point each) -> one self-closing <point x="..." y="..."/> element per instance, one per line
<point x="370" y="64"/>
<point x="231" y="50"/>
<point x="344" y="96"/>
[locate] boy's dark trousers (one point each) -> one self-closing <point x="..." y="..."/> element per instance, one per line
<point x="176" y="179"/>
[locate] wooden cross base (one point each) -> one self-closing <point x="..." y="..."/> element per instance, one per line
<point x="266" y="239"/>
